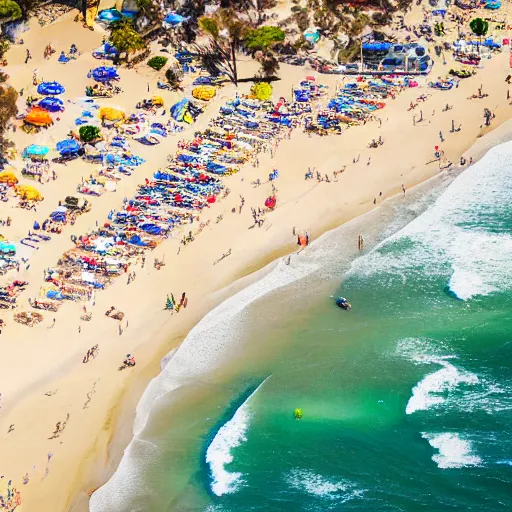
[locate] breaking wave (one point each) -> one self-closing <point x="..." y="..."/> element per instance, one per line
<point x="462" y="238"/>
<point x="453" y="450"/>
<point x="206" y="346"/>
<point x="219" y="452"/>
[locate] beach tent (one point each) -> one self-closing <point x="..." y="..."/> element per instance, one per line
<point x="179" y="110"/>
<point x="51" y="104"/>
<point x="8" y="177"/>
<point x="105" y="74"/>
<point x="185" y="111"/>
<point x="68" y="147"/>
<point x="29" y="193"/>
<point x="111" y="114"/>
<point x="50" y="88"/>
<point x="35" y="150"/>
<point x="39" y="117"/>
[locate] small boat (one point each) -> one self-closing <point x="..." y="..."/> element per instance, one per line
<point x="343" y="303"/>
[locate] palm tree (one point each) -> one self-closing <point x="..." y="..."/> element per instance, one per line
<point x="226" y="31"/>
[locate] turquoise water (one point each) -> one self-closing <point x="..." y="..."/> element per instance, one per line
<point x="407" y="399"/>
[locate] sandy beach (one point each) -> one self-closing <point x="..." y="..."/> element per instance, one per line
<point x="43" y="378"/>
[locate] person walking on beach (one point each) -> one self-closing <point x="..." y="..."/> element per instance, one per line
<point x="441" y="135"/>
<point x="28" y="57"/>
<point x="403" y="189"/>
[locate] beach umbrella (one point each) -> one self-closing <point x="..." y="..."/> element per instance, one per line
<point x="173" y="19"/>
<point x="105" y="74"/>
<point x="51" y="104"/>
<point x="8" y="177"/>
<point x="35" y="150"/>
<point x="50" y="88"/>
<point x="29" y="193"/>
<point x="109" y="15"/>
<point x="38" y="117"/>
<point x="111" y="114"/>
<point x="68" y="146"/>
<point x="204" y="92"/>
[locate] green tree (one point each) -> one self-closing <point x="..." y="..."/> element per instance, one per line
<point x="88" y="133"/>
<point x="125" y="38"/>
<point x="263" y="38"/>
<point x="10" y="9"/>
<point x="226" y="31"/>
<point x="157" y="62"/>
<point x="479" y="27"/>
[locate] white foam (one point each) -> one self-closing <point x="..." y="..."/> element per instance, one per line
<point x="435" y="387"/>
<point x="450" y="239"/>
<point x="317" y="485"/>
<point x="426" y="393"/>
<point x="219" y="453"/>
<point x="479" y="393"/>
<point x="207" y="345"/>
<point x="211" y="341"/>
<point x="465" y="284"/>
<point x="454" y="452"/>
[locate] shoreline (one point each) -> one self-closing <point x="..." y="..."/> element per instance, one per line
<point x="121" y="436"/>
<point x="96" y="434"/>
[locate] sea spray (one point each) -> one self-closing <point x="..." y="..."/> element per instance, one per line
<point x="219" y="452"/>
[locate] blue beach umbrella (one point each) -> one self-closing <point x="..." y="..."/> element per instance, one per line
<point x="50" y="88"/>
<point x="68" y="147"/>
<point x="35" y="150"/>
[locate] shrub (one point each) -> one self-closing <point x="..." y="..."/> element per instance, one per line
<point x="4" y="46"/>
<point x="174" y="76"/>
<point x="157" y="62"/>
<point x="263" y="37"/>
<point x="89" y="133"/>
<point x="479" y="27"/>
<point x="124" y="37"/>
<point x="10" y="9"/>
<point x="262" y="91"/>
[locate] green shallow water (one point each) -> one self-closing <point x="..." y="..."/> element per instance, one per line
<point x="407" y="399"/>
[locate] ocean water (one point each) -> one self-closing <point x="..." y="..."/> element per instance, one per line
<point x="406" y="399"/>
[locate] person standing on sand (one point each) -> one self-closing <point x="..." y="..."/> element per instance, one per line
<point x="28" y="57"/>
<point x="403" y="189"/>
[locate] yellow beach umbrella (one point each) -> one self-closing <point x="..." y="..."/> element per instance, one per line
<point x="8" y="177"/>
<point x="29" y="193"/>
<point x="111" y="114"/>
<point x="204" y="92"/>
